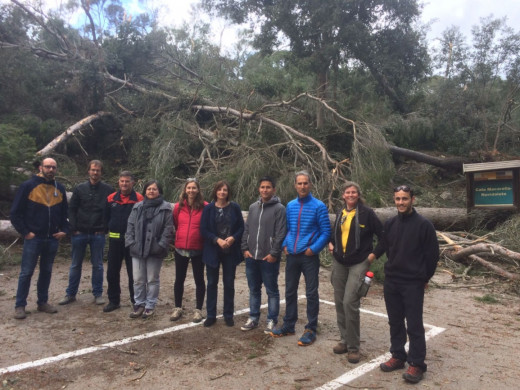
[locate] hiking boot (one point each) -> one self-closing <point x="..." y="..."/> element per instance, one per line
<point x="68" y="299"/>
<point x="46" y="308"/>
<point x="19" y="313"/>
<point x="138" y="311"/>
<point x="210" y="321"/>
<point x="229" y="321"/>
<point x="249" y="325"/>
<point x="176" y="314"/>
<point x="414" y="374"/>
<point x="197" y="316"/>
<point x="392" y="364"/>
<point x="99" y="300"/>
<point x="111" y="307"/>
<point x="340" y="349"/>
<point x="148" y="313"/>
<point x="353" y="357"/>
<point x="308" y="337"/>
<point x="281" y="332"/>
<point x="269" y="327"/>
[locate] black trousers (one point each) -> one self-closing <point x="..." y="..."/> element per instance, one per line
<point x="404" y="300"/>
<point x="116" y="253"/>
<point x="181" y="269"/>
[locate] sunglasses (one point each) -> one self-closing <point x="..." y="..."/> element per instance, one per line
<point x="402" y="188"/>
<point x="190" y="179"/>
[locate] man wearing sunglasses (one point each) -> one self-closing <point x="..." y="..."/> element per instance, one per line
<point x="412" y="250"/>
<point x="39" y="214"/>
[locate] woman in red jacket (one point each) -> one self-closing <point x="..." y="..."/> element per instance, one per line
<point x="188" y="245"/>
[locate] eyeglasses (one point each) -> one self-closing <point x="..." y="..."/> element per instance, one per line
<point x="402" y="188"/>
<point x="50" y="167"/>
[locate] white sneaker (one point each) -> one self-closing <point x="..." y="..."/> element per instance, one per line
<point x="269" y="327"/>
<point x="176" y="314"/>
<point x="197" y="315"/>
<point x="249" y="325"/>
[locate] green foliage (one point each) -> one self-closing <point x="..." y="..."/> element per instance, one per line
<point x="16" y="148"/>
<point x="412" y="132"/>
<point x="378" y="268"/>
<point x="488" y="298"/>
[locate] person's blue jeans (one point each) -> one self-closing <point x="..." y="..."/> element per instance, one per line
<point x="46" y="249"/>
<point x="309" y="266"/>
<point x="79" y="245"/>
<point x="228" y="278"/>
<point x="258" y="272"/>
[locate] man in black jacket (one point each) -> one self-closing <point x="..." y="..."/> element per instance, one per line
<point x="119" y="206"/>
<point x="88" y="227"/>
<point x="39" y="214"/>
<point x="413" y="252"/>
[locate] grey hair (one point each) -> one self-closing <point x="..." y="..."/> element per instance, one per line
<point x="302" y="173"/>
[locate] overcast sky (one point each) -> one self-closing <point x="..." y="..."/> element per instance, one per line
<point x="442" y="13"/>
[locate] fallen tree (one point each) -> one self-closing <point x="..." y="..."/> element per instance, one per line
<point x="452" y="163"/>
<point x="461" y="249"/>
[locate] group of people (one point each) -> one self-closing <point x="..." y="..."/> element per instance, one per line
<point x="213" y="235"/>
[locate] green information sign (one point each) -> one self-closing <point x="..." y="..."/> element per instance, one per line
<point x="494" y="193"/>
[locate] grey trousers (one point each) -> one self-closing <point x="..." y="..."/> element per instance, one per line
<point x="346" y="281"/>
<point x="146" y="281"/>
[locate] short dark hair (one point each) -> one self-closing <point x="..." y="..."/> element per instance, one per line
<point x="269" y="179"/>
<point x="127" y="174"/>
<point x="218" y="185"/>
<point x="149" y="183"/>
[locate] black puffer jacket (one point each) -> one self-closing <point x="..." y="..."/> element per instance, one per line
<point x="87" y="207"/>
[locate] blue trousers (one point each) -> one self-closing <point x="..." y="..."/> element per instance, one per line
<point x="309" y="266"/>
<point x="258" y="272"/>
<point x="45" y="249"/>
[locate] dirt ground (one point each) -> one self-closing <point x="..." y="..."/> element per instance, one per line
<point x="479" y="348"/>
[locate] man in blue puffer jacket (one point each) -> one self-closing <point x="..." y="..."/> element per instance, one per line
<point x="308" y="231"/>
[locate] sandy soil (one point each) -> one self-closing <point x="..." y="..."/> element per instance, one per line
<point x="479" y="348"/>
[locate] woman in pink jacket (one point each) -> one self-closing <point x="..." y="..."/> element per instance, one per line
<point x="188" y="245"/>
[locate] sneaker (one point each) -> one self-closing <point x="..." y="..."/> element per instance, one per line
<point x="19" y="313"/>
<point x="392" y="364"/>
<point x="68" y="299"/>
<point x="197" y="316"/>
<point x="281" y="332"/>
<point x="46" y="308"/>
<point x="269" y="327"/>
<point x="249" y="325"/>
<point x="308" y="337"/>
<point x="138" y="311"/>
<point x="340" y="348"/>
<point x="353" y="357"/>
<point x="176" y="314"/>
<point x="99" y="300"/>
<point x="148" y="313"/>
<point x="111" y="307"/>
<point x="229" y="321"/>
<point x="210" y="321"/>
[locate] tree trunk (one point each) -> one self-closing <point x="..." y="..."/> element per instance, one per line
<point x="71" y="130"/>
<point x="452" y="164"/>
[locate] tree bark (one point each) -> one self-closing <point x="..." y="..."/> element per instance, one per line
<point x="452" y="164"/>
<point x="71" y="130"/>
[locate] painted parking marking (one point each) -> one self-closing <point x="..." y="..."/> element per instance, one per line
<point x="361" y="370"/>
<point x="334" y="384"/>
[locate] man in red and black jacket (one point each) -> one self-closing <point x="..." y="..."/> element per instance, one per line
<point x="119" y="206"/>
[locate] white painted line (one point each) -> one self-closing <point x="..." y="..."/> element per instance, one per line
<point x="359" y="371"/>
<point x="117" y="343"/>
